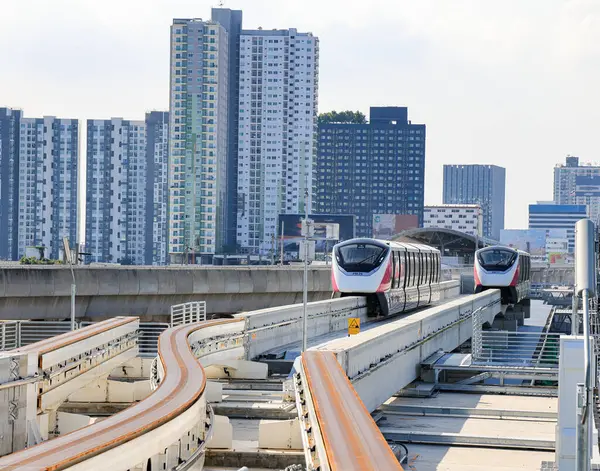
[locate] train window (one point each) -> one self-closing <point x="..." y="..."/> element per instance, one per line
<point x="360" y="257"/>
<point x="398" y="270"/>
<point x="407" y="271"/>
<point x="498" y="259"/>
<point x="393" y="263"/>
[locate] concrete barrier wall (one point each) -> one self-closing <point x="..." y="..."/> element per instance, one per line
<point x="43" y="292"/>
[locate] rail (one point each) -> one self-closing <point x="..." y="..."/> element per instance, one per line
<point x="142" y="433"/>
<point x="338" y="432"/>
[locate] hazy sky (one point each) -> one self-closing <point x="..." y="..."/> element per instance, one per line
<point x="506" y="82"/>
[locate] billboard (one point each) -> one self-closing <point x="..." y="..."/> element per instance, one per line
<point x="385" y="226"/>
<point x="292" y="230"/>
<point x="532" y="241"/>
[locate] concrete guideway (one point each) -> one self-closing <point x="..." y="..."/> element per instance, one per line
<point x="169" y="427"/>
<point x="338" y="432"/>
<point x="385" y="359"/>
<point x="36" y="379"/>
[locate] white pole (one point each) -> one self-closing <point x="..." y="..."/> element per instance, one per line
<point x="305" y="282"/>
<point x="73" y="292"/>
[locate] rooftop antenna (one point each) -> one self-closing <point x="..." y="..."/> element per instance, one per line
<point x="221" y="3"/>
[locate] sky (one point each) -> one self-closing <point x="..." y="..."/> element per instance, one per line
<point x="505" y="82"/>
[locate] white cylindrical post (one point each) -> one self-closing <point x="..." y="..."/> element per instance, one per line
<point x="73" y="292"/>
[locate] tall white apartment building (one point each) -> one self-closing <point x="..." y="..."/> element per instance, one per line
<point x="126" y="190"/>
<point x="48" y="172"/>
<point x="578" y="184"/>
<point x="199" y="87"/>
<point x="467" y="218"/>
<point x="278" y="82"/>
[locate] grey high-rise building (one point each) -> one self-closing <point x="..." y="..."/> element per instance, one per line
<point x="484" y="185"/>
<point x="126" y="191"/>
<point x="10" y="121"/>
<point x="374" y="168"/>
<point x="578" y="184"/>
<point x="48" y="184"/>
<point x="231" y="20"/>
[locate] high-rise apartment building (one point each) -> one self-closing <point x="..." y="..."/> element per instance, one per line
<point x="198" y="146"/>
<point x="374" y="168"/>
<point x="277" y="131"/>
<point x="126" y="190"/>
<point x="10" y="121"/>
<point x="576" y="184"/>
<point x="484" y="185"/>
<point x="48" y="172"/>
<point x="552" y="217"/>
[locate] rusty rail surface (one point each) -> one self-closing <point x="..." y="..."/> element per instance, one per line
<point x="352" y="439"/>
<point x="183" y="384"/>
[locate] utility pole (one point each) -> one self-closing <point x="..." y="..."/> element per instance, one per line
<point x="67" y="250"/>
<point x="282" y="226"/>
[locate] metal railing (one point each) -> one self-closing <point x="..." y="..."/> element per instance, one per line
<point x="188" y="313"/>
<point x="36" y="331"/>
<point x="9" y="335"/>
<point x="518" y="348"/>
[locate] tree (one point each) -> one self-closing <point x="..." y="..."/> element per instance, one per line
<point x="345" y="117"/>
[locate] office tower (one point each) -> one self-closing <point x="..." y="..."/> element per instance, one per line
<point x="198" y="145"/>
<point x="231" y="20"/>
<point x="277" y="129"/>
<point x="483" y="185"/>
<point x="576" y="184"/>
<point x="48" y="172"/>
<point x="127" y="190"/>
<point x="374" y="168"/>
<point x="10" y="121"/>
<point x="557" y="217"/>
<point x="467" y="218"/>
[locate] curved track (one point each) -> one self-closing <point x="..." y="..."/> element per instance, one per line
<point x="183" y="384"/>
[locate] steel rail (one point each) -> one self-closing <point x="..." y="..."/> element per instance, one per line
<point x="352" y="439"/>
<point x="183" y="384"/>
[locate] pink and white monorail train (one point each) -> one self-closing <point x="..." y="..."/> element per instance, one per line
<point x="394" y="276"/>
<point x="503" y="268"/>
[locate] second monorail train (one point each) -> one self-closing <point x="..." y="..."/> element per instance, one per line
<point x="394" y="276"/>
<point x="503" y="268"/>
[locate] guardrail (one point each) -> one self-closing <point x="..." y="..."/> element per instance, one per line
<point x="188" y="313"/>
<point x="167" y="430"/>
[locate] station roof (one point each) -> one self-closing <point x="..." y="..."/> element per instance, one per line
<point x="451" y="241"/>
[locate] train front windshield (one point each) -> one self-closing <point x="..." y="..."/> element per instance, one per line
<point x="497" y="259"/>
<point x="360" y="258"/>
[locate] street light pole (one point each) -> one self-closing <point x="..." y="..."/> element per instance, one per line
<point x="305" y="283"/>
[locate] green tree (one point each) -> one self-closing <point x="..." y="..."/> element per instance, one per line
<point x="346" y="117"/>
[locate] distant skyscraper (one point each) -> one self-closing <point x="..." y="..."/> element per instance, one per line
<point x="48" y="172"/>
<point x="126" y="197"/>
<point x="478" y="184"/>
<point x="375" y="168"/>
<point x="465" y="218"/>
<point x="277" y="130"/>
<point x="199" y="88"/>
<point x="10" y="121"/>
<point x="551" y="217"/>
<point x="576" y="184"/>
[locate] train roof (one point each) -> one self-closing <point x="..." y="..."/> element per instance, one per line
<point x="390" y="243"/>
<point x="504" y="247"/>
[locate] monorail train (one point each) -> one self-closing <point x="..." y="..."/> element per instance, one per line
<point x="395" y="277"/>
<point x="505" y="269"/>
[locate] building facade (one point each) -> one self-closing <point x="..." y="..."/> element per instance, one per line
<point x="48" y="182"/>
<point x="198" y="146"/>
<point x="374" y="168"/>
<point x="277" y="131"/>
<point x="126" y="190"/>
<point x="576" y="184"/>
<point x="483" y="185"/>
<point x="10" y="122"/>
<point x="552" y="217"/>
<point x="467" y="218"/>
